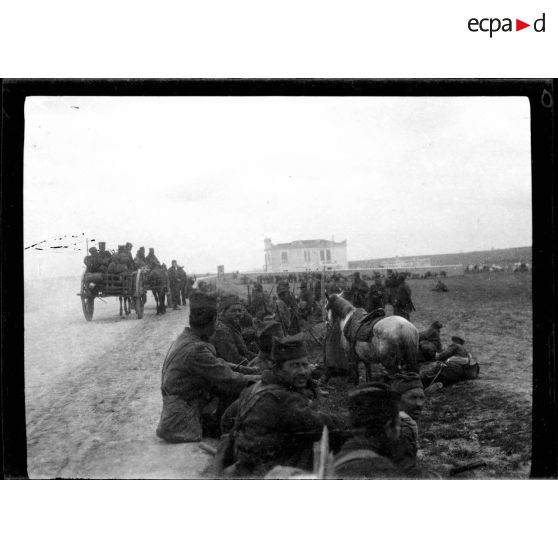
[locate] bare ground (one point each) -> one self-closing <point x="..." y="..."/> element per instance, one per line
<point x="92" y="391"/>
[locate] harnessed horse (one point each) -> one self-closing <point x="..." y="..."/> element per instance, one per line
<point x="393" y="342"/>
<point x="159" y="280"/>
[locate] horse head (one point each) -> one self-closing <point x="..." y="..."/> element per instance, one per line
<point x="337" y="307"/>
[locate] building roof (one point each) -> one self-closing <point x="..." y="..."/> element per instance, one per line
<point x="315" y="243"/>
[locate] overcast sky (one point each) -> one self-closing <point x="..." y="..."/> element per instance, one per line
<point x="205" y="180"/>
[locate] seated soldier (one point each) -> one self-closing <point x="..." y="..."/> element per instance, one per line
<point x="151" y="259"/>
<point x="440" y="287"/>
<point x="374" y="418"/>
<point x="196" y="385"/>
<point x="93" y="262"/>
<point x="409" y="386"/>
<point x="104" y="256"/>
<point x="139" y="260"/>
<point x="227" y="339"/>
<point x="274" y="423"/>
<point x="130" y="261"/>
<point x="429" y="342"/>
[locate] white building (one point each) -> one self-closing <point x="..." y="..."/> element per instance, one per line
<point x="305" y="255"/>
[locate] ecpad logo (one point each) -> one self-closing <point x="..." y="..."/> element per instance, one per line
<point x="492" y="25"/>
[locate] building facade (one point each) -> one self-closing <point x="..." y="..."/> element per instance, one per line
<point x="305" y="255"/>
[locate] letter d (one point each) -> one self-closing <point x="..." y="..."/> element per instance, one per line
<point x="535" y="25"/>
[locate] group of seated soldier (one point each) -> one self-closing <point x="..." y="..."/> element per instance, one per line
<point x="263" y="404"/>
<point x="102" y="260"/>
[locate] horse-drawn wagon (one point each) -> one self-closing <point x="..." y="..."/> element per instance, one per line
<point x="130" y="287"/>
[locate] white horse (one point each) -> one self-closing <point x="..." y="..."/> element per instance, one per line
<point x="394" y="342"/>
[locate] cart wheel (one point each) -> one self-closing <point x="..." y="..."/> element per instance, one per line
<point x="139" y="306"/>
<point x="88" y="306"/>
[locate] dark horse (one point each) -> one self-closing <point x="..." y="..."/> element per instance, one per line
<point x="394" y="342"/>
<point x="159" y="281"/>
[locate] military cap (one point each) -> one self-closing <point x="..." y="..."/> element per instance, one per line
<point x="228" y="300"/>
<point x="174" y="262"/>
<point x="102" y="245"/>
<point x="437" y="325"/>
<point x="290" y="347"/>
<point x="129" y="244"/>
<point x="457" y="339"/>
<point x="121" y="247"/>
<point x="405" y="382"/>
<point x="92" y="250"/>
<point x="152" y="249"/>
<point x="372" y="404"/>
<point x="199" y="299"/>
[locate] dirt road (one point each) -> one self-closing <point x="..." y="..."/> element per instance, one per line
<point x="92" y="390"/>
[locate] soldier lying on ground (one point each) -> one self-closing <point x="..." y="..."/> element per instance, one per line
<point x="196" y="385"/>
<point x="454" y="364"/>
<point x="274" y="423"/>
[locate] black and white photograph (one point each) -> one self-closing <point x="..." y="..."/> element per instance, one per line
<point x="271" y="286"/>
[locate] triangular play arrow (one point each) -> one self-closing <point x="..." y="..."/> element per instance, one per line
<point x="519" y="25"/>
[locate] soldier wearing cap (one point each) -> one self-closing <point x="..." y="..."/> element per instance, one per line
<point x="227" y="339"/>
<point x="151" y="259"/>
<point x="430" y="342"/>
<point x="375" y="421"/>
<point x="174" y="285"/>
<point x="305" y="301"/>
<point x="259" y="307"/>
<point x="275" y="424"/>
<point x="93" y="261"/>
<point x="359" y="289"/>
<point x="286" y="309"/>
<point x="139" y="260"/>
<point x="104" y="255"/>
<point x="376" y="294"/>
<point x="403" y="304"/>
<point x="409" y="386"/>
<point x="130" y="262"/>
<point x="182" y="284"/>
<point x="196" y="385"/>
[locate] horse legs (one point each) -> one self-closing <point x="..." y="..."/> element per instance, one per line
<point x="120" y="300"/>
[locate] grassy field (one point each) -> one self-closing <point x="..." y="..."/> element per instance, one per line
<point x="488" y="418"/>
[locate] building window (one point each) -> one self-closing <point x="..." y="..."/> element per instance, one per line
<point x="284" y="257"/>
<point x="328" y="255"/>
<point x="321" y="255"/>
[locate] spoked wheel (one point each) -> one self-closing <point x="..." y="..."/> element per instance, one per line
<point x="88" y="306"/>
